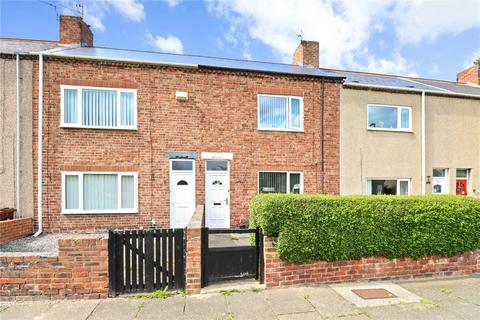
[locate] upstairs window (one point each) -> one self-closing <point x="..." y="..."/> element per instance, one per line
<point x="104" y="108"/>
<point x="390" y="118"/>
<point x="282" y="113"/>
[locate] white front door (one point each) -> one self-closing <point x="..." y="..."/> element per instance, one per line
<point x="440" y="181"/>
<point x="182" y="192"/>
<point x="217" y="194"/>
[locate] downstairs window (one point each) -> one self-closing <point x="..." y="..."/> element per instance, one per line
<point x="388" y="187"/>
<point x="280" y="182"/>
<point x="99" y="192"/>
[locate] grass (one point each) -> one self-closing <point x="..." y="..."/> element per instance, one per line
<point x="255" y="290"/>
<point x="227" y="293"/>
<point x="158" y="294"/>
<point x="229" y="316"/>
<point x="232" y="237"/>
<point x="446" y="290"/>
<point x="430" y="302"/>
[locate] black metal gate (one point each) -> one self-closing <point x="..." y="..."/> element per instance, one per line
<point x="146" y="260"/>
<point x="231" y="262"/>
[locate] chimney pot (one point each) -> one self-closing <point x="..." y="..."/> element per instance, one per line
<point x="73" y="30"/>
<point x="307" y="54"/>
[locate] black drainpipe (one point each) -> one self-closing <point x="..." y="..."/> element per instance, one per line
<point x="323" y="142"/>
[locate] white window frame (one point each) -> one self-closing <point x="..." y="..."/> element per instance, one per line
<point x="289" y="111"/>
<point x="80" y="210"/>
<point x="399" y="118"/>
<point x="408" y="180"/>
<point x="288" y="179"/>
<point x="79" y="108"/>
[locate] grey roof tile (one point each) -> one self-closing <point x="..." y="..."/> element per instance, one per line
<point x="12" y="46"/>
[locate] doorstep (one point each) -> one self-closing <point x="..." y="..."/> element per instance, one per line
<point x="240" y="285"/>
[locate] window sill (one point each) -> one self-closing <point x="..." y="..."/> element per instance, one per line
<point x="97" y="127"/>
<point x="109" y="212"/>
<point x="390" y="130"/>
<point x="281" y="130"/>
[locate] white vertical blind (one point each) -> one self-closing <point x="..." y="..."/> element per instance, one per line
<point x="273" y="182"/>
<point x="71" y="192"/>
<point x="100" y="191"/>
<point x="128" y="192"/>
<point x="273" y="112"/>
<point x="99" y="107"/>
<point x="70" y="100"/>
<point x="295" y="113"/>
<point x="126" y="109"/>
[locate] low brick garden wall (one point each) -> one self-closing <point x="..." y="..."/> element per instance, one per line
<point x="281" y="273"/>
<point x="193" y="254"/>
<point x="80" y="270"/>
<point x="15" y="229"/>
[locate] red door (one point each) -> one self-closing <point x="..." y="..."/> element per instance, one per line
<point x="461" y="187"/>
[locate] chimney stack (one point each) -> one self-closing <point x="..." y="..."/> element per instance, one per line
<point x="470" y="75"/>
<point x="73" y="30"/>
<point x="306" y="54"/>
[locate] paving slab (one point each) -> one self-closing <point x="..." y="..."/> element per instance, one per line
<point x="27" y="310"/>
<point x="300" y="316"/>
<point x="248" y="305"/>
<point x="116" y="309"/>
<point x="170" y="308"/>
<point x="288" y="300"/>
<point x="205" y="306"/>
<point x="410" y="311"/>
<point x="70" y="309"/>
<point x="328" y="302"/>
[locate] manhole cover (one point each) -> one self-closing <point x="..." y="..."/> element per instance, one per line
<point x="373" y="293"/>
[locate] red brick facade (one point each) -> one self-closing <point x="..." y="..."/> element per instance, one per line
<point x="80" y="270"/>
<point x="281" y="273"/>
<point x="15" y="229"/>
<point x="470" y="75"/>
<point x="220" y="116"/>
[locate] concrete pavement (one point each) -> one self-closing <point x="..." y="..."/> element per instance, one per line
<point x="440" y="299"/>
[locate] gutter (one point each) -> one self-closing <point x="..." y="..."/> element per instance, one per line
<point x="40" y="146"/>
<point x="390" y="88"/>
<point x="17" y="150"/>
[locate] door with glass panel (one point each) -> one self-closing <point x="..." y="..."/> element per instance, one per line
<point x="182" y="192"/>
<point x="217" y="194"/>
<point x="440" y="181"/>
<point x="461" y="184"/>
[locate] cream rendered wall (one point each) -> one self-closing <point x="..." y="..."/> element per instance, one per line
<point x="8" y="131"/>
<point x="453" y="138"/>
<point x="377" y="154"/>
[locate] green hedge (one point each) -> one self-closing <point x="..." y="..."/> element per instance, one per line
<point x="318" y="227"/>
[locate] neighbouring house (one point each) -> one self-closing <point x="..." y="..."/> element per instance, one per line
<point x="137" y="139"/>
<point x="134" y="139"/>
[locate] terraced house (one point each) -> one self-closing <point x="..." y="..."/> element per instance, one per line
<point x="126" y="138"/>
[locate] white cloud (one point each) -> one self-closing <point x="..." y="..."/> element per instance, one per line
<point x="434" y="70"/>
<point x="343" y="28"/>
<point x="173" y="3"/>
<point x="169" y="44"/>
<point x="95" y="11"/>
<point x="417" y="21"/>
<point x="469" y="61"/>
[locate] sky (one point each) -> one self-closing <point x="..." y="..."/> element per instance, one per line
<point x="431" y="39"/>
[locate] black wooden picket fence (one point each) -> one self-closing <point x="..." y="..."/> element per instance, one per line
<point x="146" y="260"/>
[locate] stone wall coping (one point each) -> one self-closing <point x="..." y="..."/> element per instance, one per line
<point x="197" y="219"/>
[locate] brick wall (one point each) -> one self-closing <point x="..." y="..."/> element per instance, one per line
<point x="220" y="116"/>
<point x="307" y="54"/>
<point x="281" y="273"/>
<point x="470" y="75"/>
<point x="15" y="229"/>
<point x="80" y="270"/>
<point x="73" y="30"/>
<point x="193" y="254"/>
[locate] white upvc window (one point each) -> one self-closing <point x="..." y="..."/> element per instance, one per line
<point x="99" y="192"/>
<point x="389" y="118"/>
<point x="280" y="182"/>
<point x="389" y="186"/>
<point x="280" y="113"/>
<point x="98" y="108"/>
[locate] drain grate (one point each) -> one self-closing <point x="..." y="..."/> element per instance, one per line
<point x="368" y="294"/>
